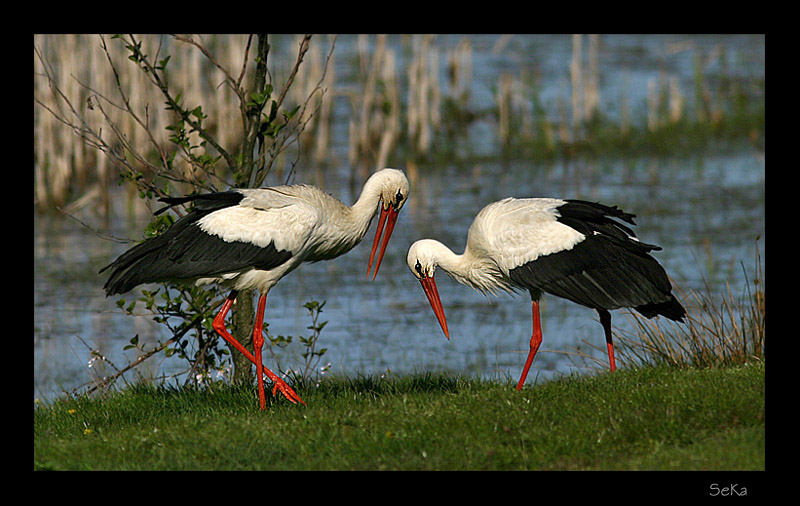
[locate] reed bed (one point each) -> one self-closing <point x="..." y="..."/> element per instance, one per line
<point x="374" y="124"/>
<point x="85" y="83"/>
<point x="411" y="99"/>
<point x="674" y="122"/>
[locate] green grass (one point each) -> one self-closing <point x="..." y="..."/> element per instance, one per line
<point x="652" y="418"/>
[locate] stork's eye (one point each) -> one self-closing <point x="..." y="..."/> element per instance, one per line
<point x="418" y="268"/>
<point x="399" y="196"/>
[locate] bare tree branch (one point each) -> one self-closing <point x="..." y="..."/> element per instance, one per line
<point x="156" y="79"/>
<point x="231" y="81"/>
<point x="244" y="63"/>
<point x="292" y="134"/>
<point x="83" y="130"/>
<point x="301" y="53"/>
<point x="254" y="107"/>
<point x="104" y="382"/>
<point x="130" y="110"/>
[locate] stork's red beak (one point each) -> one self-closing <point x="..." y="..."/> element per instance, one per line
<point x="429" y="287"/>
<point x="392" y="214"/>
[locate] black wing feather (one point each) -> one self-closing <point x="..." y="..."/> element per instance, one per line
<point x="184" y="251"/>
<point x="609" y="269"/>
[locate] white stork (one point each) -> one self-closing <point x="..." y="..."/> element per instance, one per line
<point x="251" y="238"/>
<point x="569" y="248"/>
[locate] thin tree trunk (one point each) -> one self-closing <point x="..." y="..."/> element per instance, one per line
<point x="243" y="314"/>
<point x="253" y="115"/>
<point x="244" y="309"/>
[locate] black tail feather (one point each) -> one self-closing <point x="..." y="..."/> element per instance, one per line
<point x="205" y="202"/>
<point x="144" y="262"/>
<point x="671" y="309"/>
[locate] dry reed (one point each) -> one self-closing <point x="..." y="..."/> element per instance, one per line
<point x="78" y="65"/>
<point x="720" y="330"/>
<point x="82" y="83"/>
<point x="395" y="104"/>
<point x="424" y="96"/>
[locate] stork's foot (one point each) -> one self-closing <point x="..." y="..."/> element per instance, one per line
<point x="286" y="390"/>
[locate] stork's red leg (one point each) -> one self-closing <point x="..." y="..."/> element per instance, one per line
<point x="605" y="319"/>
<point x="536" y="340"/>
<point x="219" y="326"/>
<point x="258" y="343"/>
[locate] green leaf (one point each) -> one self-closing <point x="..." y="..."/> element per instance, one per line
<point x="273" y="111"/>
<point x="258" y="100"/>
<point x="134" y="343"/>
<point x="288" y="115"/>
<point x="197" y="112"/>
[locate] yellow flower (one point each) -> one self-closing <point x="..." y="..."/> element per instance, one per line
<point x="86" y="432"/>
<point x="72" y="411"/>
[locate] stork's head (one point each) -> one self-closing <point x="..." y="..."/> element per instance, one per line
<point x="422" y="261"/>
<point x="393" y="189"/>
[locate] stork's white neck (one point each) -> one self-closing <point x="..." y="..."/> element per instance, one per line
<point x="364" y="208"/>
<point x="473" y="270"/>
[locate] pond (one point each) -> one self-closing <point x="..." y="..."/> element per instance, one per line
<point x="706" y="210"/>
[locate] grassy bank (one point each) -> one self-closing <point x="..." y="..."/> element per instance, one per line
<point x="653" y="418"/>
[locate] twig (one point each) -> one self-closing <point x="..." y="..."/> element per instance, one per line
<point x="133" y="114"/>
<point x="233" y="83"/>
<point x="282" y="145"/>
<point x="185" y="116"/>
<point x="94" y="230"/>
<point x="300" y="55"/>
<point x="145" y="356"/>
<point x="244" y="63"/>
